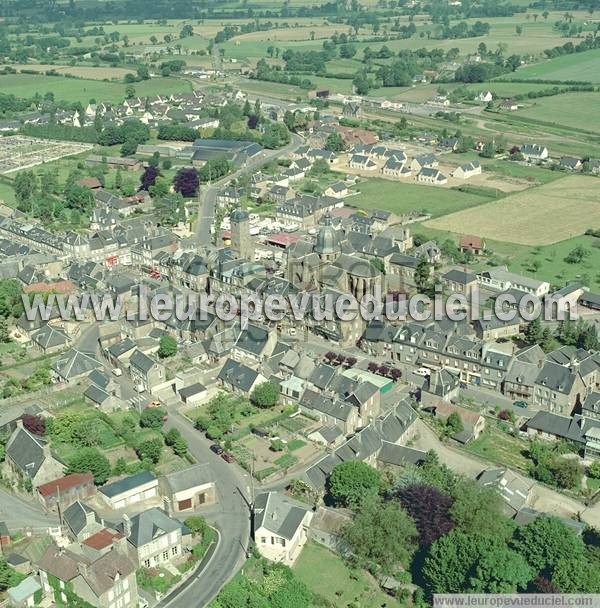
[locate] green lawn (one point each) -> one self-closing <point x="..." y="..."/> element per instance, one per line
<point x="73" y="89"/>
<point x="573" y="110"/>
<point x="326" y="574"/>
<point x="7" y="194"/>
<point x="578" y="66"/>
<point x="399" y="197"/>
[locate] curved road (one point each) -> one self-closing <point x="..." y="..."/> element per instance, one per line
<point x="231" y="516"/>
<point x="206" y="207"/>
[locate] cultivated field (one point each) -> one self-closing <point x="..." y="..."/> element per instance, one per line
<point x="579" y="66"/>
<point x="539" y="216"/>
<point x="81" y="71"/>
<point x="73" y="89"/>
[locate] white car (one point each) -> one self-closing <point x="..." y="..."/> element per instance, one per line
<point x="422" y="371"/>
<point x="292" y="331"/>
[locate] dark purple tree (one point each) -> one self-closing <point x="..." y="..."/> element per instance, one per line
<point x="330" y="356"/>
<point x="384" y="370"/>
<point x="350" y="361"/>
<point x="504" y="415"/>
<point x="252" y="121"/>
<point x="542" y="585"/>
<point x="373" y="367"/>
<point x="186" y="182"/>
<point x="340" y="357"/>
<point x="430" y="509"/>
<point x="34" y="424"/>
<point x="148" y="177"/>
<point x="396" y="374"/>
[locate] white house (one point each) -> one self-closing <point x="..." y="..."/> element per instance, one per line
<point x="534" y="152"/>
<point x="130" y="490"/>
<point x="501" y="279"/>
<point x="467" y="170"/>
<point x="484" y="96"/>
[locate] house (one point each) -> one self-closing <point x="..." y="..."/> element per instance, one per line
<point x="570" y="162"/>
<point x="458" y="281"/>
<point x="509" y="104"/>
<point x="280" y="527"/>
<point x="73" y="365"/>
<point x="534" y="152"/>
<point x="591" y="406"/>
<point x="431" y="176"/>
<point x="362" y="162"/>
<point x="66" y="490"/>
<point x="50" y="339"/>
<point x="155" y="537"/>
<point x="146" y="372"/>
<point x="352" y="109"/>
<point x="423" y="161"/>
<point x="590" y="300"/>
<point x="558" y="388"/>
<point x="484" y="96"/>
<point x="514" y="489"/>
<point x="594" y="166"/>
<point x="194" y="394"/>
<point x="68" y="577"/>
<point x="27" y="593"/>
<point x="337" y="190"/>
<point x="500" y="279"/>
<point x="28" y="458"/>
<point x="395" y="168"/>
<point x="130" y="490"/>
<point x="473" y="422"/>
<point x="188" y="489"/>
<point x="239" y="378"/>
<point x="467" y="170"/>
<point x="564" y="300"/>
<point x="472" y="244"/>
<point x="496" y="329"/>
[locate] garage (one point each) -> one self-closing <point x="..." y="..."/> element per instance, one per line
<point x="182" y="505"/>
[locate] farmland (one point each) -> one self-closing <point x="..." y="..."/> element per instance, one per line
<point x="539" y="216"/>
<point x="579" y="66"/>
<point x="81" y="90"/>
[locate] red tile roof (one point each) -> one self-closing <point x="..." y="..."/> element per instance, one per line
<point x="102" y="539"/>
<point x="65" y="483"/>
<point x="471" y="242"/>
<point x="282" y="239"/>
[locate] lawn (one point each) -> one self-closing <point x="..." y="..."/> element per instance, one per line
<point x="399" y="197"/>
<point x="501" y="448"/>
<point x="544" y="215"/>
<point x="73" y="89"/>
<point x="578" y="66"/>
<point x="326" y="574"/>
<point x="7" y="194"/>
<point x="571" y="110"/>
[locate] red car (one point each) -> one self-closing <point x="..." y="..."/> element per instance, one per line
<point x="227" y="457"/>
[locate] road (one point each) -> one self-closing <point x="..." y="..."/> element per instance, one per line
<point x="206" y="207"/>
<point x="231" y="516"/>
<point x="18" y="513"/>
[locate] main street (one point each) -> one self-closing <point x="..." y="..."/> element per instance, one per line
<point x="231" y="516"/>
<point x="208" y="194"/>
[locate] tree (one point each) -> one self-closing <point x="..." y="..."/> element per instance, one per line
<point x="167" y="346"/>
<point x="454" y="424"/>
<point x="489" y="150"/>
<point x="533" y="332"/>
<point x="152" y="418"/>
<point x="594" y="470"/>
<point x="4" y="331"/>
<point x="462" y="563"/>
<point x="160" y="188"/>
<point x="422" y="274"/>
<point x="265" y="394"/>
<point x="25" y="186"/>
<point x="545" y="542"/>
<point x="186" y="182"/>
<point x="381" y="533"/>
<point x="34" y="424"/>
<point x="129" y="91"/>
<point x="143" y="73"/>
<point x="429" y="508"/>
<point x="174" y="439"/>
<point x="11" y="304"/>
<point x="567" y="473"/>
<point x="129" y="148"/>
<point x="352" y="481"/>
<point x="577" y="575"/>
<point x="519" y="29"/>
<point x="90" y="460"/>
<point x="196" y="524"/>
<point x="148" y="178"/>
<point x="151" y="449"/>
<point x="334" y="142"/>
<point x="186" y="31"/>
<point x="275" y="136"/>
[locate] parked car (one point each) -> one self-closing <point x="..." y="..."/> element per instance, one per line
<point x="422" y="371"/>
<point x="520" y="403"/>
<point x="227" y="457"/>
<point x="216" y="448"/>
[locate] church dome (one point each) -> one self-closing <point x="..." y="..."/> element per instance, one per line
<point x="328" y="239"/>
<point x="239" y="215"/>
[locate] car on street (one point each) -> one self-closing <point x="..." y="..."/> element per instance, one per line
<point x="422" y="371"/>
<point x="227" y="457"/>
<point x="520" y="403"/>
<point x="216" y="448"/>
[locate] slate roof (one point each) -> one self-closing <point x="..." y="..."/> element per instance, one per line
<point x="556" y="378"/>
<point x="191" y="477"/>
<point x="74" y="516"/>
<point x="237" y="374"/>
<point x="76" y="363"/>
<point x="572" y="428"/>
<point x="50" y="337"/>
<point x="399" y="455"/>
<point x="96" y="394"/>
<point x="26" y="451"/>
<point x="151" y="524"/>
<point x="194" y="389"/>
<point x="278" y="514"/>
<point x="253" y="339"/>
<point x="127" y="483"/>
<point x="459" y="276"/>
<point x="141" y="361"/>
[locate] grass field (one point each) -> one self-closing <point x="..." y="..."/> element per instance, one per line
<point x="539" y="216"/>
<point x="81" y="71"/>
<point x="579" y="66"/>
<point x="72" y="89"/>
<point x="499" y="447"/>
<point x="325" y="574"/>
<point x="401" y="198"/>
<point x="7" y="194"/>
<point x="573" y="110"/>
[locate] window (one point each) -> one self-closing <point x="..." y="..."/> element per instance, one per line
<point x="263" y="540"/>
<point x="174" y="550"/>
<point x="165" y="555"/>
<point x="147" y="563"/>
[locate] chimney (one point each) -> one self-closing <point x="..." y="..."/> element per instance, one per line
<point x="126" y="526"/>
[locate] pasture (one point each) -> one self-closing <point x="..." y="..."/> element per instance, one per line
<point x="579" y="66"/>
<point x="80" y="71"/>
<point x="571" y="110"/>
<point x="399" y="197"/>
<point x="544" y="215"/>
<point x="82" y="90"/>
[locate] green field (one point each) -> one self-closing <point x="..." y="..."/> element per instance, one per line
<point x="402" y="198"/>
<point x="326" y="574"/>
<point x="579" y="66"/>
<point x="571" y="110"/>
<point x="7" y="194"/>
<point x="73" y="90"/>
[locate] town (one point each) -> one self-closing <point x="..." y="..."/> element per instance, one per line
<point x="389" y="150"/>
